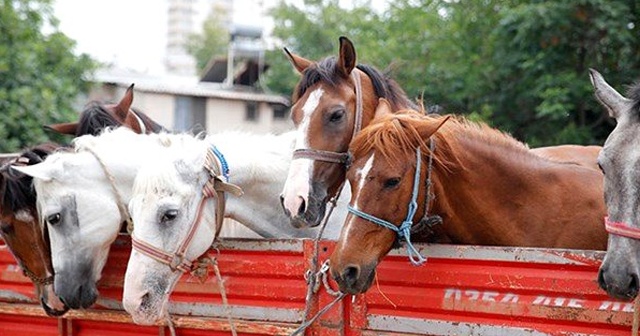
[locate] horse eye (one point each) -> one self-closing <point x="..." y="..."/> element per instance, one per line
<point x="336" y="116"/>
<point x="53" y="219"/>
<point x="392" y="182"/>
<point x="169" y="215"/>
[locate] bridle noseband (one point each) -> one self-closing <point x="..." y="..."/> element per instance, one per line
<point x="404" y="230"/>
<point x="215" y="187"/>
<point x="621" y="229"/>
<point x="343" y="158"/>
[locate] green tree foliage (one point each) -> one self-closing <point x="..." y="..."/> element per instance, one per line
<point x="518" y="65"/>
<point x="40" y="77"/>
<point x="212" y="42"/>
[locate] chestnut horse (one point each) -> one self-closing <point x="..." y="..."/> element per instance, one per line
<point x="18" y="215"/>
<point x="619" y="160"/>
<point x="488" y="188"/>
<point x="333" y="100"/>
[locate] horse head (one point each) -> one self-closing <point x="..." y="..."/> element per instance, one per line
<point x="177" y="209"/>
<point x="81" y="199"/>
<point x="618" y="160"/>
<point x="333" y="100"/>
<point x="387" y="174"/>
<point x="21" y="231"/>
<point x="97" y="115"/>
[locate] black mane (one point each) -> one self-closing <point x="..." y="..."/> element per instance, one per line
<point x="93" y="119"/>
<point x="325" y="71"/>
<point x="16" y="188"/>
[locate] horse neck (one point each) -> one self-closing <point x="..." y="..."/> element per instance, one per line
<point x="487" y="187"/>
<point x="258" y="164"/>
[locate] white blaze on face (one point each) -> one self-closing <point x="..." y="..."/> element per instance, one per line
<point x="296" y="187"/>
<point x="361" y="174"/>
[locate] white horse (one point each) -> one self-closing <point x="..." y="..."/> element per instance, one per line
<point x="83" y="209"/>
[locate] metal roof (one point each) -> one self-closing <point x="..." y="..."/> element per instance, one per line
<point x="184" y="85"/>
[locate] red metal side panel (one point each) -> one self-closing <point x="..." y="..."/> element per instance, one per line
<point x="461" y="290"/>
<point x="470" y="290"/>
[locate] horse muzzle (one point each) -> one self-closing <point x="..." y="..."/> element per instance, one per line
<point x="619" y="284"/>
<point x="50" y="302"/>
<point x="76" y="291"/>
<point x="354" y="279"/>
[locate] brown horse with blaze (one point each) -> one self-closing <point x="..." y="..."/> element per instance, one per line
<point x="488" y="188"/>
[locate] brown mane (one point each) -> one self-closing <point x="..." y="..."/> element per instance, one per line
<point x="397" y="137"/>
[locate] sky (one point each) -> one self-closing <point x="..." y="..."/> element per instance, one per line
<point x="131" y="34"/>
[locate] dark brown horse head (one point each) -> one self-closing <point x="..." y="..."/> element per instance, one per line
<point x="382" y="176"/>
<point x="325" y="112"/>
<point x="97" y="115"/>
<point x="20" y="229"/>
<point x="619" y="160"/>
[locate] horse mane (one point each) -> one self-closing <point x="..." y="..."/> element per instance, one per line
<point x="325" y="71"/>
<point x="634" y="94"/>
<point x="397" y="136"/>
<point x="94" y="118"/>
<point x="16" y="188"/>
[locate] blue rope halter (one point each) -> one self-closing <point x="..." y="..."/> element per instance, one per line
<point x="404" y="230"/>
<point x="223" y="163"/>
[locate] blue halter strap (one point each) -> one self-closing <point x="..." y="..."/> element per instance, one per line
<point x="404" y="230"/>
<point x="223" y="163"/>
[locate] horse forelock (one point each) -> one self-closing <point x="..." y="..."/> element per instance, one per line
<point x="396" y="137"/>
<point x="94" y="118"/>
<point x="325" y="71"/>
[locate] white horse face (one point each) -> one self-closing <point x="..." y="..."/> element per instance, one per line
<point x="619" y="160"/>
<point x="82" y="219"/>
<point x="163" y="207"/>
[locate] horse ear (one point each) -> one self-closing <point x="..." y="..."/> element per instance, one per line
<point x="383" y="109"/>
<point x="64" y="128"/>
<point x="122" y="108"/>
<point x="430" y="126"/>
<point x="41" y="171"/>
<point x="299" y="63"/>
<point x="614" y="102"/>
<point x="347" y="57"/>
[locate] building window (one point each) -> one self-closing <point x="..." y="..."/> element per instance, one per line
<point x="279" y="112"/>
<point x="189" y="114"/>
<point x="251" y="112"/>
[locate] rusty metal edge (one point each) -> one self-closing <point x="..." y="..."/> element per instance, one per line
<point x="178" y="321"/>
<point x="506" y="253"/>
<point x="395" y="325"/>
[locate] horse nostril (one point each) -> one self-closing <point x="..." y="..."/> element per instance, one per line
<point x="633" y="285"/>
<point x="286" y="212"/>
<point x="350" y="275"/>
<point x="144" y="300"/>
<point x="302" y="208"/>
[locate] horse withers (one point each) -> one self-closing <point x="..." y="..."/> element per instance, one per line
<point x="619" y="161"/>
<point x="488" y="189"/>
<point x="332" y="101"/>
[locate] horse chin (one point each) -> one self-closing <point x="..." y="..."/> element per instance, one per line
<point x="619" y="287"/>
<point x="150" y="310"/>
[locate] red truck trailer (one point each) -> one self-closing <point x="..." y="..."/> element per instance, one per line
<point x="461" y="290"/>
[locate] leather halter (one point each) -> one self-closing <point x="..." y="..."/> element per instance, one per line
<point x="215" y="187"/>
<point x="621" y="229"/>
<point x="343" y="158"/>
